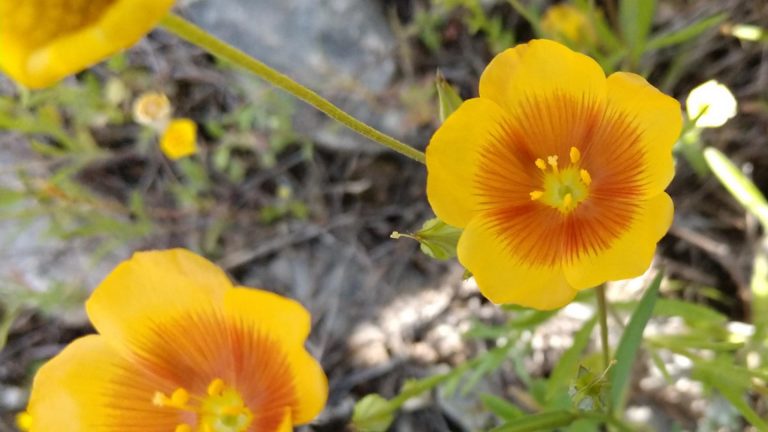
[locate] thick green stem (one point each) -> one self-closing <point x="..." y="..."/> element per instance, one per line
<point x="197" y="36"/>
<point x="602" y="310"/>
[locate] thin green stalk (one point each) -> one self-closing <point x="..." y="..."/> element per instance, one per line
<point x="602" y="310"/>
<point x="197" y="36"/>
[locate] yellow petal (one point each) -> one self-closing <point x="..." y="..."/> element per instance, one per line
<point x="453" y="157"/>
<point x="658" y="118"/>
<point x="311" y="385"/>
<point x="288" y="324"/>
<point x="89" y="387"/>
<point x="504" y="279"/>
<point x="283" y="318"/>
<point x="150" y="286"/>
<point x="631" y="254"/>
<point x="179" y="139"/>
<point x="286" y="425"/>
<point x="541" y="68"/>
<point x="42" y="42"/>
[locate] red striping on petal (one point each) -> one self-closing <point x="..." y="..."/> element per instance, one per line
<point x="540" y="235"/>
<point x="190" y="351"/>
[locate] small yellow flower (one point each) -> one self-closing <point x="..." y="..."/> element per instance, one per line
<point x="556" y="173"/>
<point x="152" y="109"/>
<point x="713" y="104"/>
<point x="179" y="139"/>
<point x="567" y="23"/>
<point x="43" y="41"/>
<point x="181" y="349"/>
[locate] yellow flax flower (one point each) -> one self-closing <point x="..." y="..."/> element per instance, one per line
<point x="180" y="349"/>
<point x="556" y="173"/>
<point x="179" y="139"/>
<point x="567" y="23"/>
<point x="42" y="41"/>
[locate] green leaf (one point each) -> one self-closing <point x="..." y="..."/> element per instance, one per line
<point x="741" y="187"/>
<point x="9" y="197"/>
<point x="636" y="20"/>
<point x="567" y="367"/>
<point x="438" y="239"/>
<point x="501" y="408"/>
<point x="372" y="413"/>
<point x="489" y="363"/>
<point x="589" y="390"/>
<point x="538" y="422"/>
<point x="732" y="383"/>
<point x="690" y="312"/>
<point x="626" y="352"/>
<point x="759" y="287"/>
<point x="686" y="33"/>
<point x="448" y="97"/>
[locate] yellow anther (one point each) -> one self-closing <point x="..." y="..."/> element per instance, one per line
<point x="552" y="161"/>
<point x="575" y="155"/>
<point x="585" y="177"/>
<point x="215" y="387"/>
<point x="180" y="397"/>
<point x="183" y="428"/>
<point x="567" y="201"/>
<point x="536" y="195"/>
<point x="541" y="164"/>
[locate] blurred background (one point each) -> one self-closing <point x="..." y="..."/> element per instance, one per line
<point x="286" y="200"/>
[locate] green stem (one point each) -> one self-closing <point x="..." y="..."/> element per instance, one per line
<point x="602" y="310"/>
<point x="197" y="36"/>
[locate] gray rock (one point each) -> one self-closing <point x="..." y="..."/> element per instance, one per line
<point x="38" y="269"/>
<point x="343" y="49"/>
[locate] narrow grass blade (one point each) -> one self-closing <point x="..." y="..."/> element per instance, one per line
<point x="636" y="19"/>
<point x="686" y="33"/>
<point x="501" y="408"/>
<point x="626" y="352"/>
<point x="741" y="187"/>
<point x="538" y="422"/>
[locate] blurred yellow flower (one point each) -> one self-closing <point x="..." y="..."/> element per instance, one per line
<point x="711" y="104"/>
<point x="180" y="349"/>
<point x="179" y="139"/>
<point x="152" y="109"/>
<point x="567" y="23"/>
<point x="556" y="173"/>
<point x="42" y="41"/>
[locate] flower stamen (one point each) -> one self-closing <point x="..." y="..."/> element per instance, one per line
<point x="575" y="155"/>
<point x="562" y="189"/>
<point x="552" y="161"/>
<point x="585" y="177"/>
<point x="221" y="410"/>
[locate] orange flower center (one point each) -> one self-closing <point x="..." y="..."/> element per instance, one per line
<point x="221" y="410"/>
<point x="562" y="189"/>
